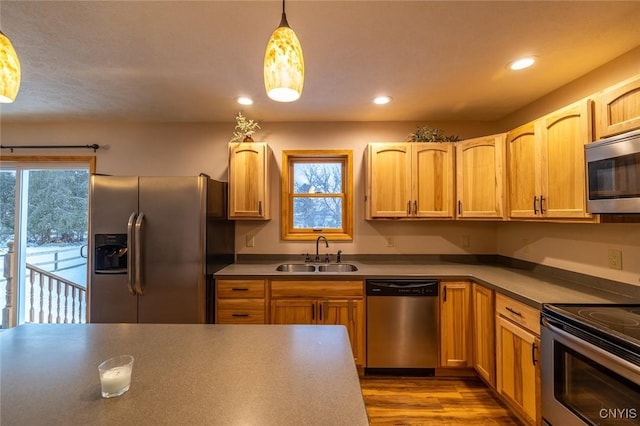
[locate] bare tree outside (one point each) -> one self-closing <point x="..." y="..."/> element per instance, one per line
<point x="317" y="199"/>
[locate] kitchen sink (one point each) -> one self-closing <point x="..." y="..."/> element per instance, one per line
<point x="295" y="267"/>
<point x="337" y="267"/>
<point x="303" y="267"/>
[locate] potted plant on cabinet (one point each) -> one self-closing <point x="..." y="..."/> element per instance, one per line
<point x="428" y="134"/>
<point x="246" y="128"/>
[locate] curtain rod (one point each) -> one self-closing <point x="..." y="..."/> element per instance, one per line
<point x="94" y="147"/>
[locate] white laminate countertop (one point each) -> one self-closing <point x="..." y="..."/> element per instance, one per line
<point x="527" y="287"/>
<point x="183" y="374"/>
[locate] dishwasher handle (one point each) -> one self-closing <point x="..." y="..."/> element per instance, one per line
<point x="403" y="287"/>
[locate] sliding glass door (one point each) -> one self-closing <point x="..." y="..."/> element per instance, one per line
<point x="43" y="240"/>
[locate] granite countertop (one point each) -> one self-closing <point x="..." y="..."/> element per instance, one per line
<point x="527" y="287"/>
<point x="183" y="374"/>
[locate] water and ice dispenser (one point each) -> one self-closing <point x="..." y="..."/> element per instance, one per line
<point x="110" y="254"/>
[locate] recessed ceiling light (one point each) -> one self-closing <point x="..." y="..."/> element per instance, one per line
<point x="243" y="100"/>
<point x="522" y="63"/>
<point x="382" y="100"/>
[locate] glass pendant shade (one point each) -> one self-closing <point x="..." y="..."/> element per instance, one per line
<point x="283" y="66"/>
<point x="9" y="71"/>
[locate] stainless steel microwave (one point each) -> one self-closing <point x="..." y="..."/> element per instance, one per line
<point x="613" y="174"/>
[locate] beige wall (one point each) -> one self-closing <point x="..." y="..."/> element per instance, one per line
<point x="189" y="149"/>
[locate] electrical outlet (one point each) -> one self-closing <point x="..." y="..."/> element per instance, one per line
<point x="250" y="241"/>
<point x="525" y="245"/>
<point x="615" y="259"/>
<point x="390" y="241"/>
<point x="465" y="241"/>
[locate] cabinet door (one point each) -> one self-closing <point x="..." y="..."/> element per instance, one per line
<point x="389" y="183"/>
<point x="455" y="345"/>
<point x="618" y="108"/>
<point x="432" y="180"/>
<point x="562" y="137"/>
<point x="484" y="333"/>
<point x="293" y="311"/>
<point x="524" y="189"/>
<point x="481" y="178"/>
<point x="518" y="377"/>
<point x="248" y="180"/>
<point x="349" y="313"/>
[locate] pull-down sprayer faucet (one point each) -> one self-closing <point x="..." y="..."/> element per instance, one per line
<point x="321" y="237"/>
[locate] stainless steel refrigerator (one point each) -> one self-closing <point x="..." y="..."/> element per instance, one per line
<point x="155" y="243"/>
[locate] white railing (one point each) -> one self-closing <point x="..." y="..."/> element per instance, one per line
<point x="52" y="299"/>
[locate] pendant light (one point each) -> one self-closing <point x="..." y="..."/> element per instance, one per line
<point x="9" y="71"/>
<point x="283" y="64"/>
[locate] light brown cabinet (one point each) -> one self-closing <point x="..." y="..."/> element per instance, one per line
<point x="484" y="350"/>
<point x="322" y="302"/>
<point x="240" y="302"/>
<point x="455" y="324"/>
<point x="546" y="165"/>
<point x="518" y="357"/>
<point x="410" y="180"/>
<point x="481" y="178"/>
<point x="618" y="108"/>
<point x="249" y="180"/>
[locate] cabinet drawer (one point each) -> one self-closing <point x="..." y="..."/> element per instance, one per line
<point x="518" y="312"/>
<point x="316" y="288"/>
<point x="245" y="289"/>
<point x="240" y="311"/>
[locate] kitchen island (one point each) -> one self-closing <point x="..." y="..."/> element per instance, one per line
<point x="182" y="374"/>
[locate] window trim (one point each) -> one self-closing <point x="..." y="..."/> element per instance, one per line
<point x="289" y="157"/>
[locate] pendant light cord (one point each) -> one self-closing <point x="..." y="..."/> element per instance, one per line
<point x="283" y="21"/>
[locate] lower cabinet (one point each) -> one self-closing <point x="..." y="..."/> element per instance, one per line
<point x="484" y="349"/>
<point x="322" y="302"/>
<point x="518" y="355"/>
<point x="240" y="302"/>
<point x="455" y="322"/>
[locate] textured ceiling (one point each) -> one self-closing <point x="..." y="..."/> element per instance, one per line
<point x="186" y="61"/>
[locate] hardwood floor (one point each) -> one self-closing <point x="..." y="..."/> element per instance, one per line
<point x="432" y="401"/>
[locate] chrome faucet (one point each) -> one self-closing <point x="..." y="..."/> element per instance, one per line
<point x="321" y="237"/>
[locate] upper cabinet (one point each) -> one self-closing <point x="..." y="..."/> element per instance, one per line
<point x="618" y="108"/>
<point x="410" y="180"/>
<point x="249" y="180"/>
<point x="546" y="165"/>
<point x="481" y="178"/>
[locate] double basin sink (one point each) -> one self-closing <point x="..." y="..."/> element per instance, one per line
<point x="326" y="267"/>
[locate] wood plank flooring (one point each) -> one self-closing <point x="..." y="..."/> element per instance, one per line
<point x="401" y="401"/>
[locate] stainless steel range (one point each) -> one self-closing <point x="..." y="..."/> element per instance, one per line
<point x="590" y="370"/>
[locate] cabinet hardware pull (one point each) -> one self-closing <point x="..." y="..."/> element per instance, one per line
<point x="239" y="289"/>
<point x="533" y="353"/>
<point x="535" y="205"/>
<point x="260" y="208"/>
<point x="415" y="207"/>
<point x="409" y="208"/>
<point x="514" y="312"/>
<point x="445" y="294"/>
<point x="240" y="315"/>
<point x="313" y="312"/>
<point x="459" y="207"/>
<point x="320" y="311"/>
<point x="542" y="200"/>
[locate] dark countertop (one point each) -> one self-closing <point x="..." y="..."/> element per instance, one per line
<point x="527" y="287"/>
<point x="182" y="374"/>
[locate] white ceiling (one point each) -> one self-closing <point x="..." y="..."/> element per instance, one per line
<point x="186" y="61"/>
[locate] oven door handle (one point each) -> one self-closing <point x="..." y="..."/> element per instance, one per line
<point x="576" y="342"/>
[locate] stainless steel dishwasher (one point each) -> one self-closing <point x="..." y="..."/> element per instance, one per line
<point x="402" y="326"/>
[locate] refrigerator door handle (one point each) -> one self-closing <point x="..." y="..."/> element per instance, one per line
<point x="130" y="253"/>
<point x="139" y="253"/>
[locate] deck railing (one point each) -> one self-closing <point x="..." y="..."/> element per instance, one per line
<point x="52" y="299"/>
